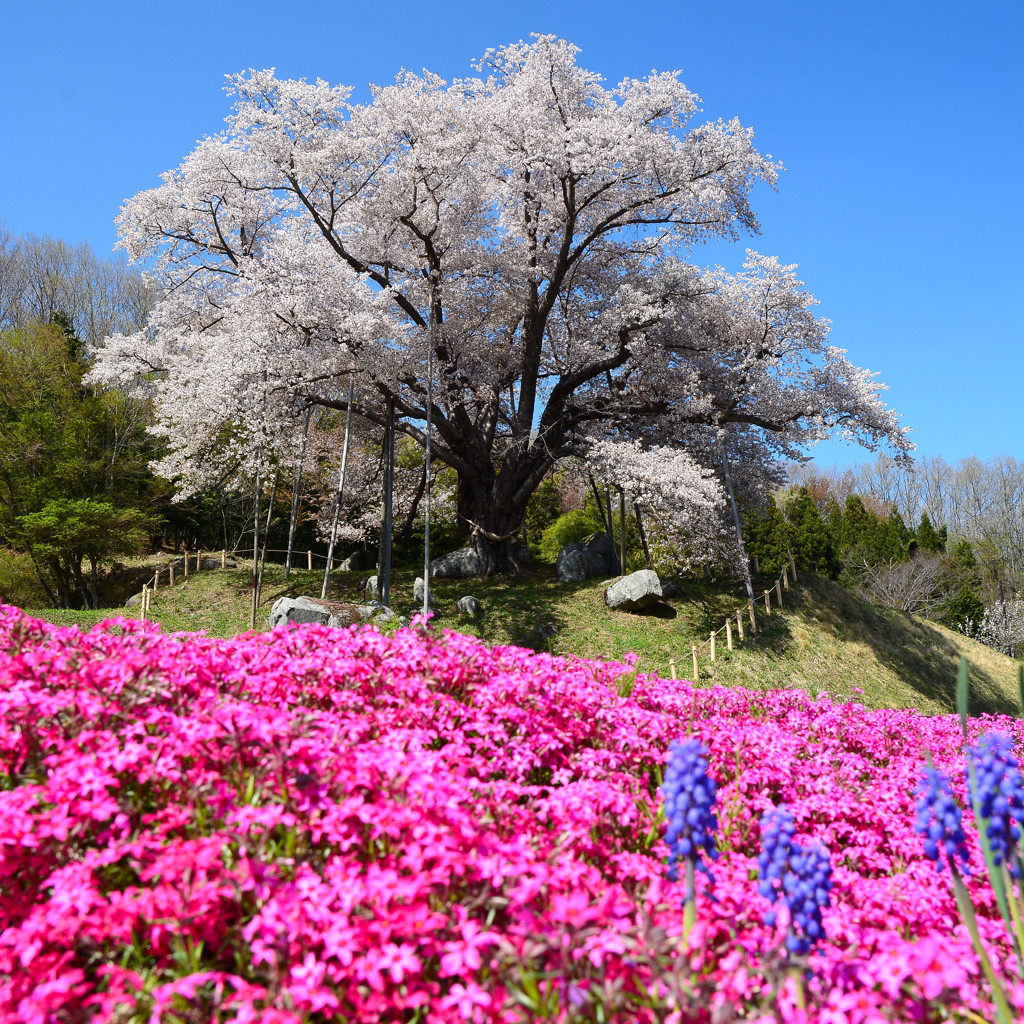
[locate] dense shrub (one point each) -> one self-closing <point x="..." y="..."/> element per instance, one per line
<point x="569" y="528"/>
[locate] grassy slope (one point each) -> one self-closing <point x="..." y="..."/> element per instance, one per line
<point x="825" y="638"/>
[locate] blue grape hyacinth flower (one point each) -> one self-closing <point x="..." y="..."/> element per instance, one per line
<point x="800" y="875"/>
<point x="998" y="793"/>
<point x="689" y="808"/>
<point x="939" y="821"/>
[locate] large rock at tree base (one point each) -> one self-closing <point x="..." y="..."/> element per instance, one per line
<point x="593" y="556"/>
<point x="634" y="592"/>
<point x="573" y="565"/>
<point x="457" y="565"/>
<point x="603" y="546"/>
<point x="326" y="613"/>
<point x="357" y="560"/>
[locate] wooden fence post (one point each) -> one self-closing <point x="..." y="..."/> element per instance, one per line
<point x="696" y="667"/>
<point x="712" y="645"/>
<point x="309" y="560"/>
<point x="753" y="621"/>
<point x="170" y="572"/>
<point x="768" y="601"/>
<point x="739" y="622"/>
<point x="792" y="565"/>
<point x="156" y="579"/>
<point x="785" y="578"/>
<point x="672" y="668"/>
<point x="186" y="563"/>
<point x="223" y="558"/>
<point x="199" y="559"/>
<point x="757" y="566"/>
<point x="778" y="594"/>
<point x="728" y="633"/>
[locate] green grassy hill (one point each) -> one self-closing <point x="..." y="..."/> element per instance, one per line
<point x="825" y="638"/>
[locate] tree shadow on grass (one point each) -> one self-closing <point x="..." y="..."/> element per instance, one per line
<point x="923" y="659"/>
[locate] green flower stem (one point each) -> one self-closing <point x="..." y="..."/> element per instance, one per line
<point x="690" y="906"/>
<point x="797" y="974"/>
<point x="963" y="900"/>
<point x="1016" y="902"/>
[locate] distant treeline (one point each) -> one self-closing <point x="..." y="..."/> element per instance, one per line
<point x="932" y="538"/>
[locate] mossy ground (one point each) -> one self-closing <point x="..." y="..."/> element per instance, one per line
<point x="824" y="638"/>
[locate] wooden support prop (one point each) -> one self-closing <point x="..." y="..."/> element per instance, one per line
<point x="186" y="563"/>
<point x="739" y="623"/>
<point x="199" y="559"/>
<point x="792" y="565"/>
<point x="309" y="560"/>
<point x="728" y="633"/>
<point x="785" y="578"/>
<point x="753" y="621"/>
<point x="778" y="594"/>
<point x="712" y="645"/>
<point x="170" y="572"/>
<point x="144" y="604"/>
<point x="768" y="601"/>
<point x="223" y="558"/>
<point x="672" y="668"/>
<point x="696" y="667"/>
<point x="757" y="565"/>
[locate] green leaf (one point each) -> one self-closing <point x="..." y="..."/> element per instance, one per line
<point x="995" y="874"/>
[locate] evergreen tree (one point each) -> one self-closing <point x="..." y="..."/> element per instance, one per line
<point x="930" y="540"/>
<point x="813" y="546"/>
<point x="768" y="536"/>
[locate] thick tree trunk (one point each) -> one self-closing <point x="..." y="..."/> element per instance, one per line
<point x="494" y="519"/>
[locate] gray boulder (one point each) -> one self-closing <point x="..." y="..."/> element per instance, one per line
<point x="372" y="589"/>
<point x="299" y="609"/>
<point x="134" y="601"/>
<point x="457" y="565"/>
<point x="603" y="546"/>
<point x="669" y="589"/>
<point x="469" y="606"/>
<point x="357" y="560"/>
<point x="634" y="592"/>
<point x="417" y="594"/>
<point x="573" y="565"/>
<point x="336" y="614"/>
<point x="591" y="557"/>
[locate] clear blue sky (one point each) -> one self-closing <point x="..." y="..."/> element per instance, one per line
<point x="900" y="125"/>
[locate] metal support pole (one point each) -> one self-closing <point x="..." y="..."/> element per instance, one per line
<point x="736" y="521"/>
<point x="431" y="327"/>
<point x="341" y="494"/>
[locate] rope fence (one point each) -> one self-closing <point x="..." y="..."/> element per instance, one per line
<point x="180" y="568"/>
<point x="781" y="584"/>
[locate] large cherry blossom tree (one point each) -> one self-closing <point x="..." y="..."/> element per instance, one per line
<point x="530" y="226"/>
